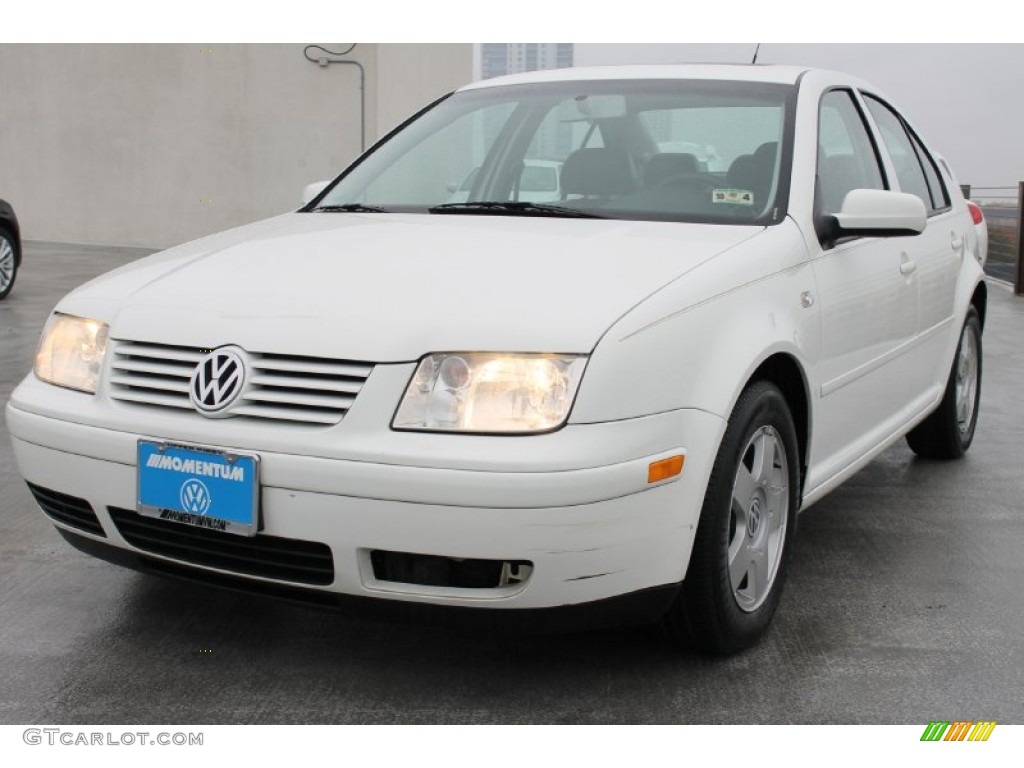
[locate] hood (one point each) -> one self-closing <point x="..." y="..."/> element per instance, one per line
<point x="393" y="287"/>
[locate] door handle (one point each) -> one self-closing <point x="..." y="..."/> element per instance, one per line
<point x="907" y="264"/>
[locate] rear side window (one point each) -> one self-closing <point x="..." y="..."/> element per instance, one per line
<point x="915" y="169"/>
<point x="940" y="197"/>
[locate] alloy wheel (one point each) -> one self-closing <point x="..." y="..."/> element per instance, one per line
<point x="757" y="526"/>
<point x="966" y="380"/>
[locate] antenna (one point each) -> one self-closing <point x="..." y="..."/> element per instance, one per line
<point x="756" y="50"/>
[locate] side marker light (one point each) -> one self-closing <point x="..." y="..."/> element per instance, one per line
<point x="664" y="469"/>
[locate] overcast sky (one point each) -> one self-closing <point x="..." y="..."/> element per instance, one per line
<point x="966" y="100"/>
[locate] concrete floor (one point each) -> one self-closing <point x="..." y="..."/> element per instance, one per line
<point x="905" y="603"/>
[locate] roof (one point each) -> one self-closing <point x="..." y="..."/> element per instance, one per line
<point x="757" y="73"/>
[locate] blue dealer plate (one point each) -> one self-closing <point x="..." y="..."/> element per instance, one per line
<point x="197" y="486"/>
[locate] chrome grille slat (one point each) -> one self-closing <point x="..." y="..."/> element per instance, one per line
<point x="286" y="414"/>
<point x="310" y="382"/>
<point x="166" y="385"/>
<point x="290" y="388"/>
<point x="160" y="352"/>
<point x="183" y="371"/>
<point x="149" y="397"/>
<point x="305" y="365"/>
<point x="300" y="398"/>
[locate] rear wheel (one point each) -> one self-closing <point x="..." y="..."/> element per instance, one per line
<point x="948" y="432"/>
<point x="8" y="263"/>
<point x="741" y="549"/>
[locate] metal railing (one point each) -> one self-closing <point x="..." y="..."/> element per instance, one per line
<point x="1002" y="207"/>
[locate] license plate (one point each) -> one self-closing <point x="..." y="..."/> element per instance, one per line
<point x="202" y="487"/>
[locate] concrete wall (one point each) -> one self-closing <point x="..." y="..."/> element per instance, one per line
<point x="154" y="145"/>
<point x="410" y="76"/>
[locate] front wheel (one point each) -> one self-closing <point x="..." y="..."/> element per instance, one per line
<point x="948" y="432"/>
<point x="734" y="580"/>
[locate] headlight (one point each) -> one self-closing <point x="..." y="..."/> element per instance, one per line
<point x="71" y="352"/>
<point x="490" y="392"/>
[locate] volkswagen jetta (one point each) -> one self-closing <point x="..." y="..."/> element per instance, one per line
<point x="613" y="403"/>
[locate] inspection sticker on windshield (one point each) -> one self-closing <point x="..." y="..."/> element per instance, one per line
<point x="734" y="196"/>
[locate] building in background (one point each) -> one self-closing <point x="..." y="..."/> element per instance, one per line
<point x="153" y="145"/>
<point x="509" y="58"/>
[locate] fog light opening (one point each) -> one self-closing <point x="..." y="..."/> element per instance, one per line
<point x="514" y="573"/>
<point x="439" y="571"/>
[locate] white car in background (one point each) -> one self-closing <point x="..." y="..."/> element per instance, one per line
<point x="10" y="248"/>
<point x="610" y="406"/>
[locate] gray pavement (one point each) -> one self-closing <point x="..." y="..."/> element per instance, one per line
<point x="905" y="604"/>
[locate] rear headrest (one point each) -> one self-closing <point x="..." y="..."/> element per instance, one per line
<point x="754" y="172"/>
<point x="597" y="171"/>
<point x="766" y="152"/>
<point x="741" y="170"/>
<point x="668" y="164"/>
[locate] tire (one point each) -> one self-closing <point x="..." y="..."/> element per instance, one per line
<point x="8" y="263"/>
<point x="949" y="431"/>
<point x="741" y="550"/>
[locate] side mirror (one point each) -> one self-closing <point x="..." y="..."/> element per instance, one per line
<point x="880" y="213"/>
<point x="312" y="190"/>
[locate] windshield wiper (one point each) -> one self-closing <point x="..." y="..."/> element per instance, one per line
<point x="513" y="208"/>
<point x="351" y="208"/>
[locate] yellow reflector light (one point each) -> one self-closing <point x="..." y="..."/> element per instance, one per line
<point x="664" y="469"/>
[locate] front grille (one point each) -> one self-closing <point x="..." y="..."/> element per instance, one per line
<point x="304" y="562"/>
<point x="293" y="388"/>
<point x="69" y="510"/>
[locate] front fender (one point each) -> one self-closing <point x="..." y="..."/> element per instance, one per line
<point x="696" y="342"/>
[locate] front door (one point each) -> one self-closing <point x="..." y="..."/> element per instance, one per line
<point x="868" y="298"/>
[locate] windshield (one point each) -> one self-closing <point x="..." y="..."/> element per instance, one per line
<point x="678" y="150"/>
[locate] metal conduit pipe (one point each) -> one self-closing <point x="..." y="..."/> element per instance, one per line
<point x="331" y="57"/>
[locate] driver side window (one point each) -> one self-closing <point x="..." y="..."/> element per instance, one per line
<point x="847" y="158"/>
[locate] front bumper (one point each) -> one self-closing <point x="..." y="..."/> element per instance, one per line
<point x="592" y="532"/>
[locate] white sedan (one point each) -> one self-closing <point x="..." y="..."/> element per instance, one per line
<point x="609" y="407"/>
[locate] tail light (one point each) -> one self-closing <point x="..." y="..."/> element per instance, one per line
<point x="976" y="215"/>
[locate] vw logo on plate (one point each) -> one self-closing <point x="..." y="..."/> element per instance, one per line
<point x="195" y="497"/>
<point x="217" y="381"/>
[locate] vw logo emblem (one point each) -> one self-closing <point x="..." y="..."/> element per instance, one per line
<point x="195" y="497"/>
<point x="216" y="381"/>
